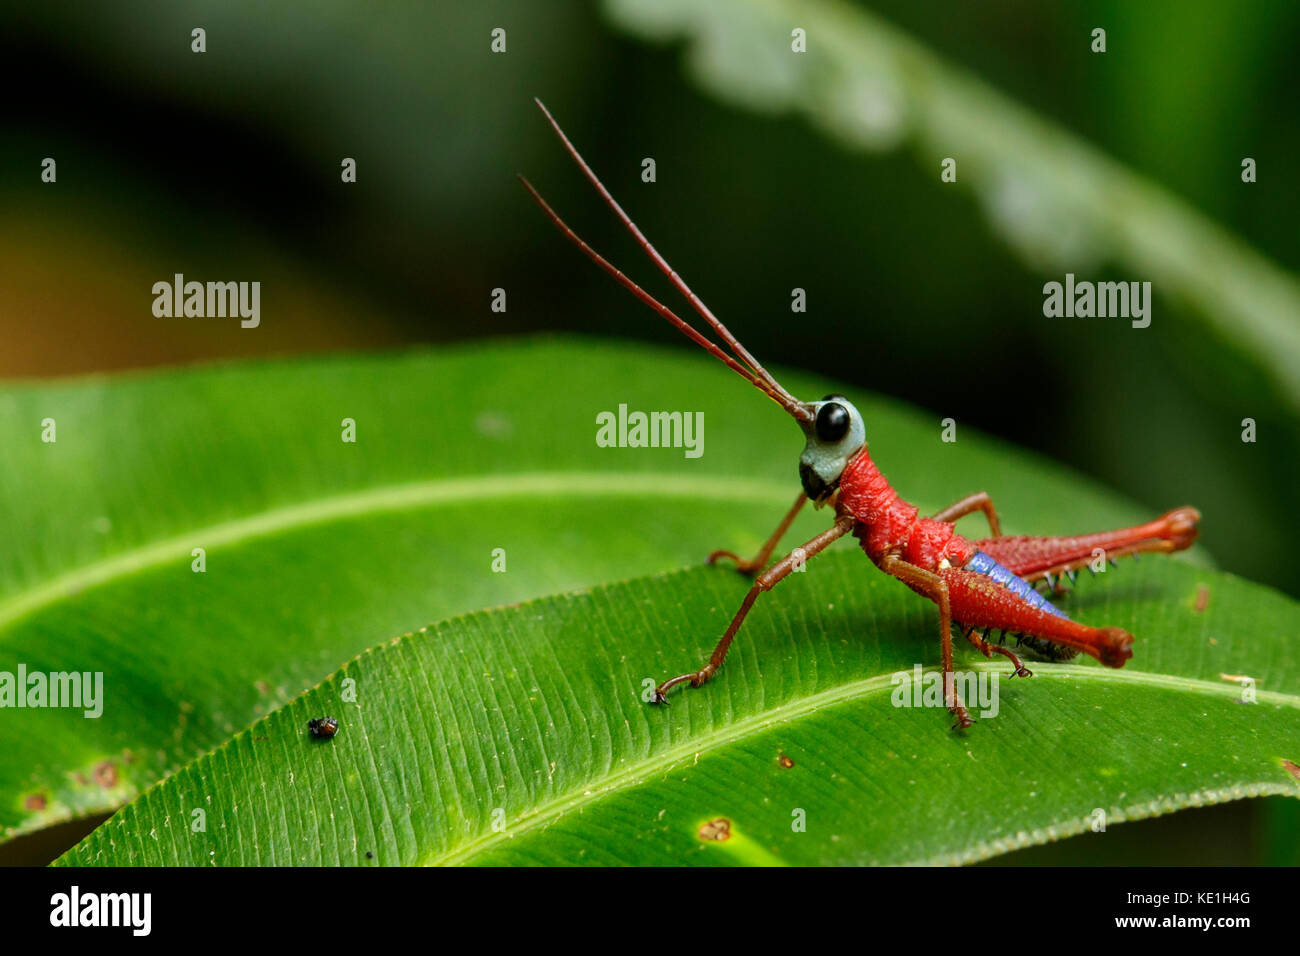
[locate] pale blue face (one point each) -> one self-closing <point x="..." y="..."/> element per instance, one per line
<point x="835" y="435"/>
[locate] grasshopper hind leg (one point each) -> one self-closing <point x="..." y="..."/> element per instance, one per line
<point x="988" y="649"/>
<point x="1042" y="650"/>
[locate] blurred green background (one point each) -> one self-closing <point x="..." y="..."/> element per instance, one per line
<point x="225" y="166"/>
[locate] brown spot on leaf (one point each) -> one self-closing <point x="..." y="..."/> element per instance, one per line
<point x="1202" y="598"/>
<point x="716" y="830"/>
<point x="262" y="687"/>
<point x="1292" y="768"/>
<point x="106" y="774"/>
<point x="34" y="801"/>
<point x="784" y="761"/>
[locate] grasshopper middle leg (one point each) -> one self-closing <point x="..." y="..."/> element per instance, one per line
<point x="980" y="501"/>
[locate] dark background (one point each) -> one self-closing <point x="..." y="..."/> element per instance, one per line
<point x="225" y="165"/>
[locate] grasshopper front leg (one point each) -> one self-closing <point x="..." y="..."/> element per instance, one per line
<point x="765" y="582"/>
<point x="759" y="561"/>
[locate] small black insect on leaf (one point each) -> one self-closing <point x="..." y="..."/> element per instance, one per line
<point x="323" y="728"/>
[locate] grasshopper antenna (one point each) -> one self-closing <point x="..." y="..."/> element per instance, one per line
<point x="752" y="370"/>
<point x="687" y="329"/>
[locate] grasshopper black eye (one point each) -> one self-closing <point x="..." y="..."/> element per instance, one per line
<point x="832" y="422"/>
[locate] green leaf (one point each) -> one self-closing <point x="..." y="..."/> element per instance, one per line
<point x="519" y="736"/>
<point x="1058" y="201"/>
<point x="317" y="549"/>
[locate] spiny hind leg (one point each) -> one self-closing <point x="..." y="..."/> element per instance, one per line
<point x="1033" y="558"/>
<point x="979" y="601"/>
<point x="1044" y="650"/>
<point x="988" y="649"/>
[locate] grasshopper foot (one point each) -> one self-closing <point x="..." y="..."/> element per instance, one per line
<point x="964" y="720"/>
<point x="747" y="568"/>
<point x="695" y="679"/>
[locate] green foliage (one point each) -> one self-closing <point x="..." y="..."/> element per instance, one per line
<point x="317" y="549"/>
<point x="519" y="736"/>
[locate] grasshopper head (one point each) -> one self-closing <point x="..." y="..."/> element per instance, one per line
<point x="835" y="434"/>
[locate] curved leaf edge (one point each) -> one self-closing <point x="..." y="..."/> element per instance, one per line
<point x="664" y="762"/>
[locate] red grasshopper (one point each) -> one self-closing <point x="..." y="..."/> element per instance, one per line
<point x="980" y="585"/>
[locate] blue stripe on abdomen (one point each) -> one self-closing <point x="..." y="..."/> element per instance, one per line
<point x="981" y="563"/>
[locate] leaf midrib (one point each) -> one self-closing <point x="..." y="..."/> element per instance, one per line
<point x="664" y="761"/>
<point x="386" y="499"/>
